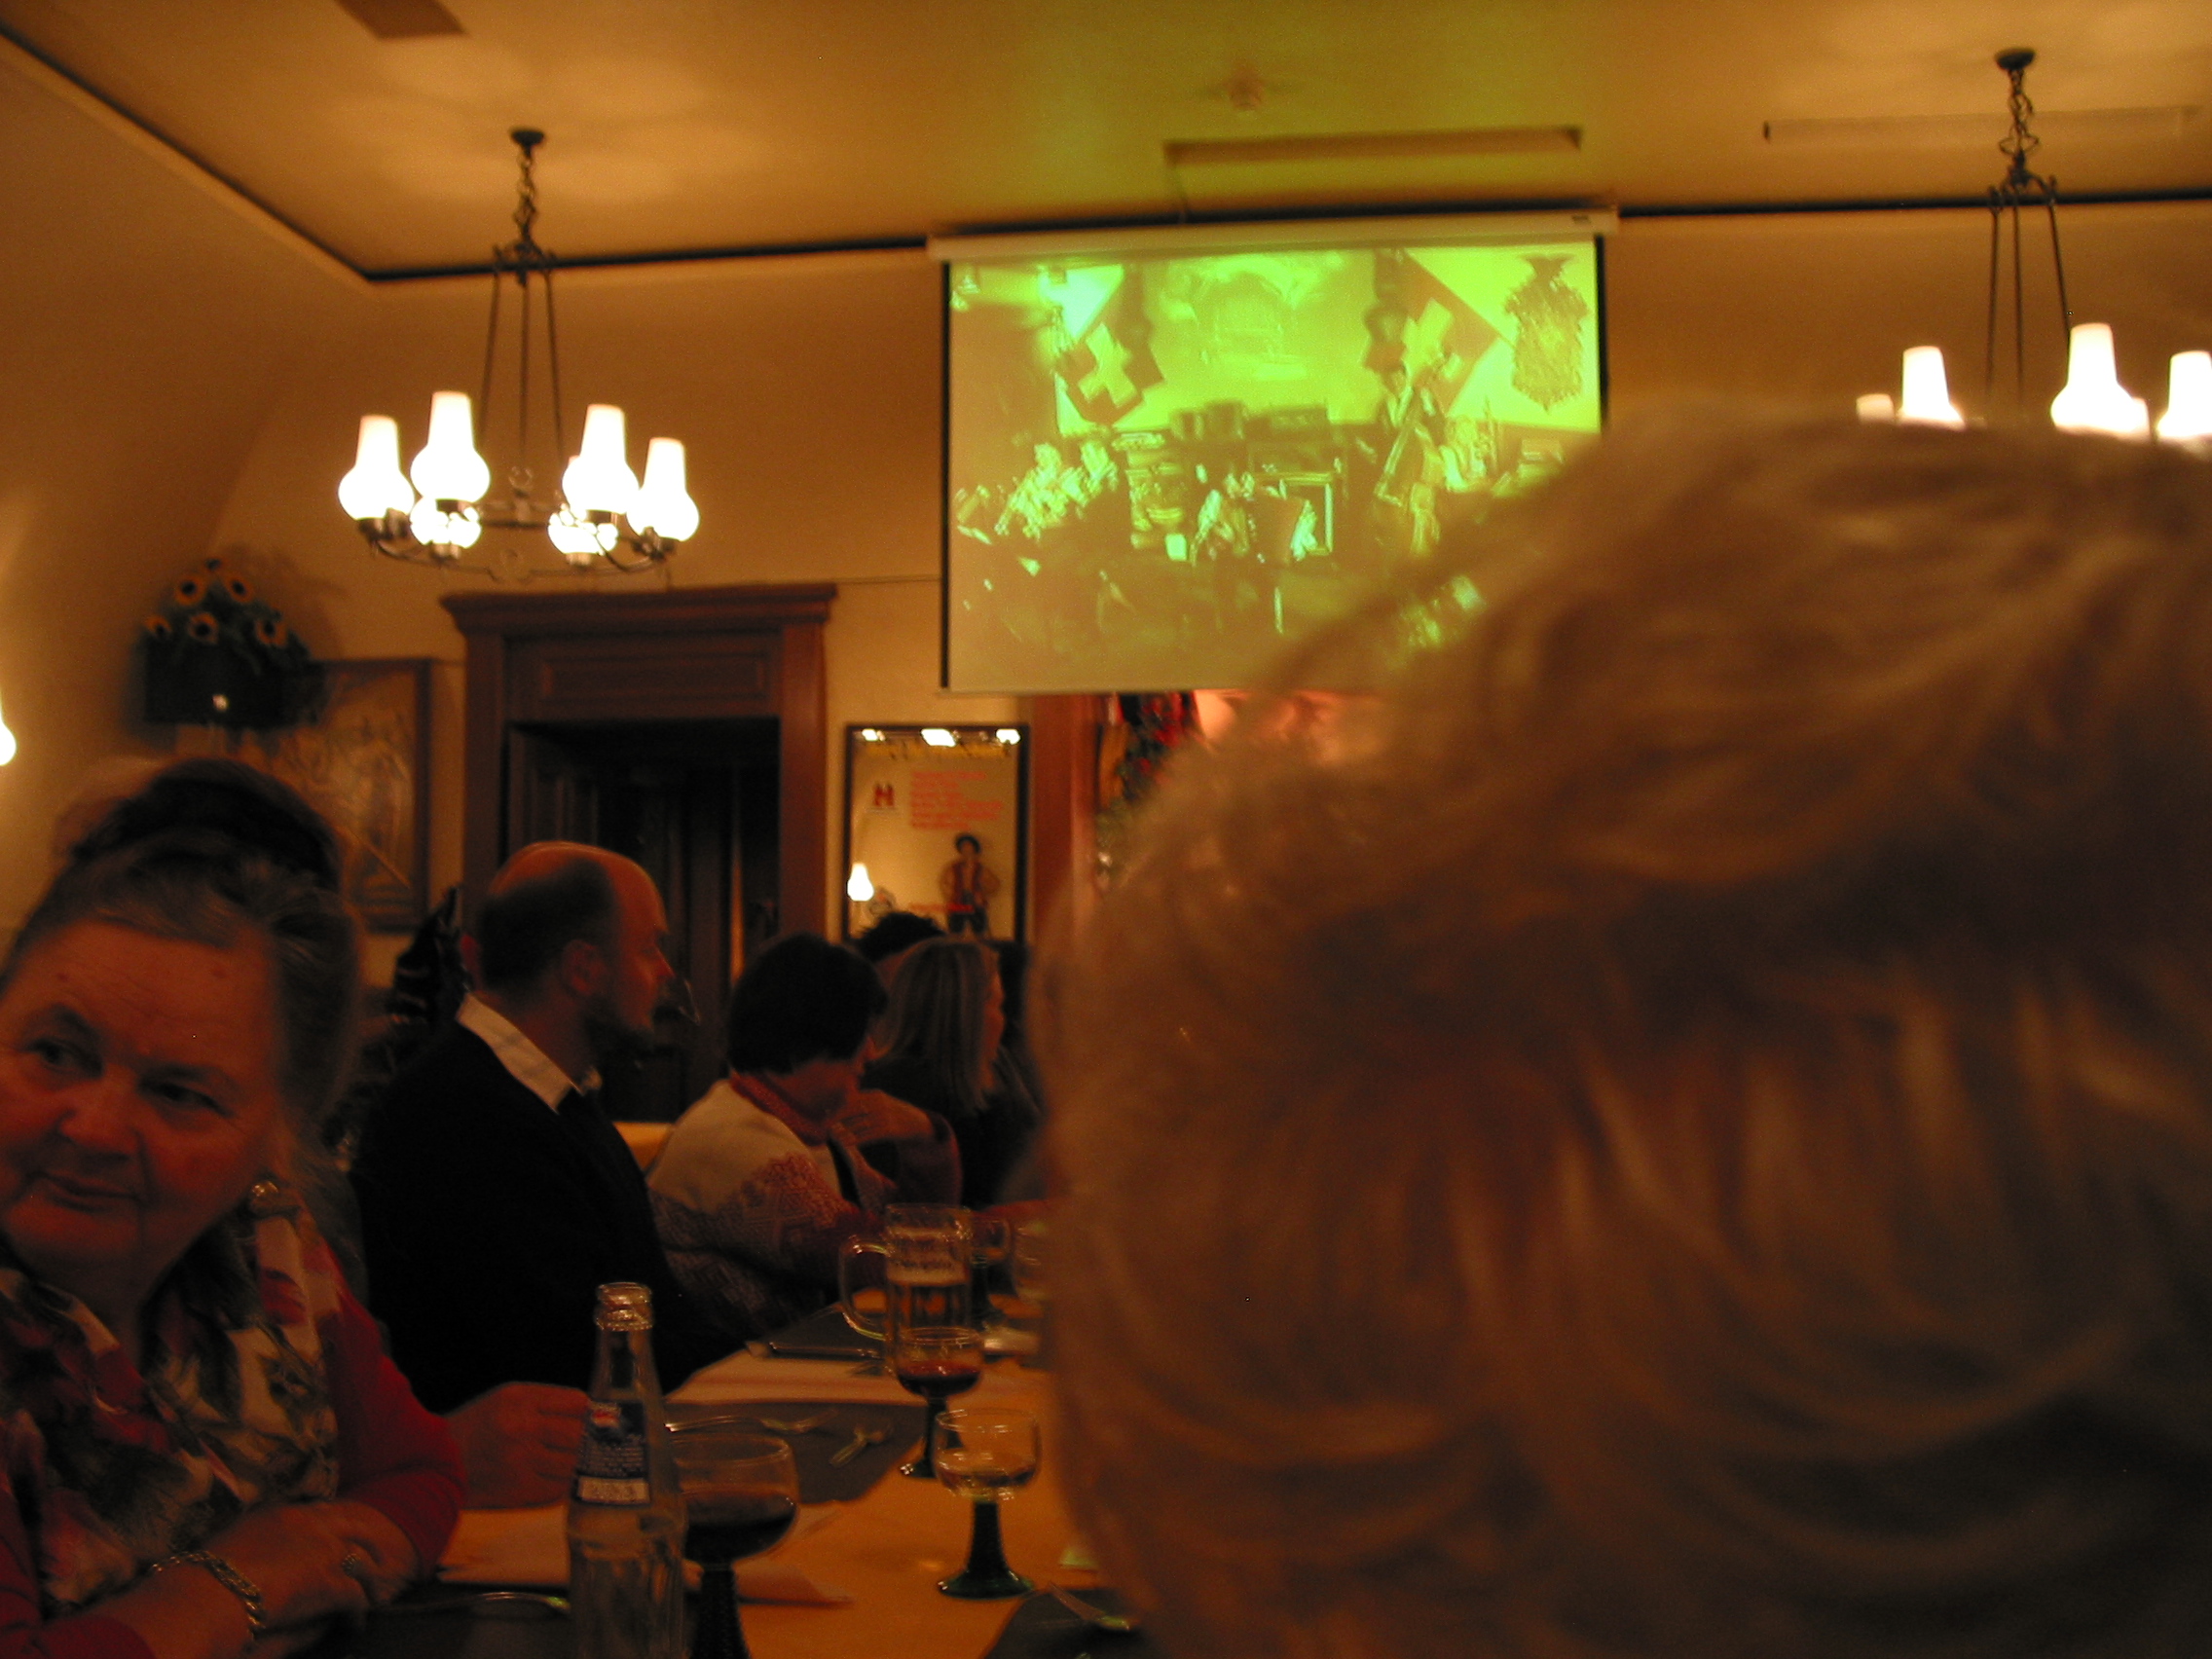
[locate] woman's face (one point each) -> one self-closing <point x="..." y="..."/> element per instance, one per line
<point x="138" y="1102"/>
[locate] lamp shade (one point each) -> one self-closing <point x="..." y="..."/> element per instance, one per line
<point x="376" y="486"/>
<point x="599" y="480"/>
<point x="448" y="468"/>
<point x="579" y="539"/>
<point x="663" y="507"/>
<point x="1927" y="400"/>
<point x="857" y="887"/>
<point x="2093" y="399"/>
<point x="2188" y="419"/>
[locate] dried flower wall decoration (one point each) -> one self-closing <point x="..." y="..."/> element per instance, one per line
<point x="219" y="654"/>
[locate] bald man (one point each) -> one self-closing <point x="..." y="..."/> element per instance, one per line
<point x="496" y="1195"/>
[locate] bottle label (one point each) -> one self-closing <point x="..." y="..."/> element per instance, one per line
<point x="610" y="1463"/>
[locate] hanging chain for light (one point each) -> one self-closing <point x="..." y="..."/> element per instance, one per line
<point x="526" y="262"/>
<point x="2021" y="187"/>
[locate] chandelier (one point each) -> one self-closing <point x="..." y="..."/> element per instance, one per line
<point x="2093" y="401"/>
<point x="603" y="518"/>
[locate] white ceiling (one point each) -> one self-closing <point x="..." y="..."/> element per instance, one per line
<point x="685" y="126"/>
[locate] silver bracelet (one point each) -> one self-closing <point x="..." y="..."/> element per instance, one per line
<point x="228" y="1576"/>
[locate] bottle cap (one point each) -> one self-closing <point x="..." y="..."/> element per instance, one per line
<point x="625" y="1306"/>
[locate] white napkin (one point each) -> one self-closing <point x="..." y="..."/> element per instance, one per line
<point x="531" y="1547"/>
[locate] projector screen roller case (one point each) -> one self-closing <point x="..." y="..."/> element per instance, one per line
<point x="1161" y="470"/>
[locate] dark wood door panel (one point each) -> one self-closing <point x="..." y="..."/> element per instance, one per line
<point x="667" y="677"/>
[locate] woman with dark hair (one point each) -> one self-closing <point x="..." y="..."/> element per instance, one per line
<point x="763" y="1181"/>
<point x="940" y="1051"/>
<point x="201" y="1443"/>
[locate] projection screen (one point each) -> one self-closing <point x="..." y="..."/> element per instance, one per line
<point x="1165" y="460"/>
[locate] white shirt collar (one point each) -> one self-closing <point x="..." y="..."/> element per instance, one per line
<point x="528" y="1063"/>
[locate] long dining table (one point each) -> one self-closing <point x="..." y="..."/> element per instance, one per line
<point x="870" y="1567"/>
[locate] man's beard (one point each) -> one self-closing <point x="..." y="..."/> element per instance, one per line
<point x="614" y="1044"/>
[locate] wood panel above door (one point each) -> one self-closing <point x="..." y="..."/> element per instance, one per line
<point x="686" y="655"/>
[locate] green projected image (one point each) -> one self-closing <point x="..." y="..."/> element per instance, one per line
<point x="1162" y="470"/>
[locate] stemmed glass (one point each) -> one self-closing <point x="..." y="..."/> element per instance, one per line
<point x="985" y="1455"/>
<point x="936" y="1362"/>
<point x="741" y="1493"/>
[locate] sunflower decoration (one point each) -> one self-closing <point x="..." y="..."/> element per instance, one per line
<point x="219" y="654"/>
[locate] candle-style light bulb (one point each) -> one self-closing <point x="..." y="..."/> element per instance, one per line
<point x="376" y="486"/>
<point x="1927" y="400"/>
<point x="599" y="480"/>
<point x="663" y="507"/>
<point x="2093" y="399"/>
<point x="448" y="468"/>
<point x="2188" y="419"/>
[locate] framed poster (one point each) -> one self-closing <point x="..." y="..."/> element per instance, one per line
<point x="936" y="822"/>
<point x="364" y="760"/>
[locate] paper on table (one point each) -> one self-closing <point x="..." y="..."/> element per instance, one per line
<point x="531" y="1547"/>
<point x="743" y="1378"/>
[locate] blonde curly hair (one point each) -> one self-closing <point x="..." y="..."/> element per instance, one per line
<point x="1685" y="1124"/>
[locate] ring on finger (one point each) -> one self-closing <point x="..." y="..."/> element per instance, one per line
<point x="353" y="1566"/>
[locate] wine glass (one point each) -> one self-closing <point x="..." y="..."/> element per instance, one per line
<point x="985" y="1455"/>
<point x="741" y="1493"/>
<point x="1032" y="1260"/>
<point x="989" y="1243"/>
<point x="936" y="1362"/>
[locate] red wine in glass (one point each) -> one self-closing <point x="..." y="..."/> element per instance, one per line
<point x="733" y="1523"/>
<point x="741" y="1496"/>
<point x="936" y="1362"/>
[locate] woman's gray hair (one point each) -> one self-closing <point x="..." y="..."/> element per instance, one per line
<point x="1683" y="1125"/>
<point x="210" y="852"/>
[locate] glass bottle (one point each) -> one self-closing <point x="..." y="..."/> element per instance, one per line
<point x="626" y="1508"/>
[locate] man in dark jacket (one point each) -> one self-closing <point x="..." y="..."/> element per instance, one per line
<point x="495" y="1194"/>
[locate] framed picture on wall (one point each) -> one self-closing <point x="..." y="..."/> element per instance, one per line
<point x="364" y="760"/>
<point x="936" y="822"/>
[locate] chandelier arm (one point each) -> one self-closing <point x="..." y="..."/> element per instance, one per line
<point x="1989" y="328"/>
<point x="2020" y="320"/>
<point x="521" y="467"/>
<point x="651" y="550"/>
<point x="490" y="348"/>
<point x="553" y="374"/>
<point x="2057" y="260"/>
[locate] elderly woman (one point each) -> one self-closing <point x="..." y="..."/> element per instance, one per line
<point x="1721" y="1164"/>
<point x="763" y="1181"/>
<point x="200" y="1441"/>
<point x="940" y="1052"/>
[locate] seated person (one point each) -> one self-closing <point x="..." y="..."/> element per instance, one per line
<point x="940" y="1051"/>
<point x="887" y="942"/>
<point x="202" y="1441"/>
<point x="763" y="1181"/>
<point x="495" y="1194"/>
<point x="1683" y="1125"/>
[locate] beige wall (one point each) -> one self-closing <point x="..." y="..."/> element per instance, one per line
<point x="145" y="332"/>
<point x="178" y="382"/>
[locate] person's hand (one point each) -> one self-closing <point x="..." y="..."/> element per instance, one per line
<point x="870" y="1115"/>
<point x="518" y="1444"/>
<point x="310" y="1561"/>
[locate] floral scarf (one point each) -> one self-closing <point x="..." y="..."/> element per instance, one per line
<point x="113" y="1469"/>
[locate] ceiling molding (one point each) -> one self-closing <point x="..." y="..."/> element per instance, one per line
<point x="89" y="100"/>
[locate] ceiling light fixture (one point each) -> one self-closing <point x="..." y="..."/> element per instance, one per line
<point x="2093" y="401"/>
<point x="603" y="518"/>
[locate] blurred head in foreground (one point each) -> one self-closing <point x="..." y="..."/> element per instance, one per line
<point x="1685" y="1126"/>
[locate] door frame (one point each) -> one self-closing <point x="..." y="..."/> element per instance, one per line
<point x="706" y="653"/>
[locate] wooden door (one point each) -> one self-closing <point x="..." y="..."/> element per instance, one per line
<point x="695" y="804"/>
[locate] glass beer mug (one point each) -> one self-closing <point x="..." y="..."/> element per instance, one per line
<point x="925" y="1251"/>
